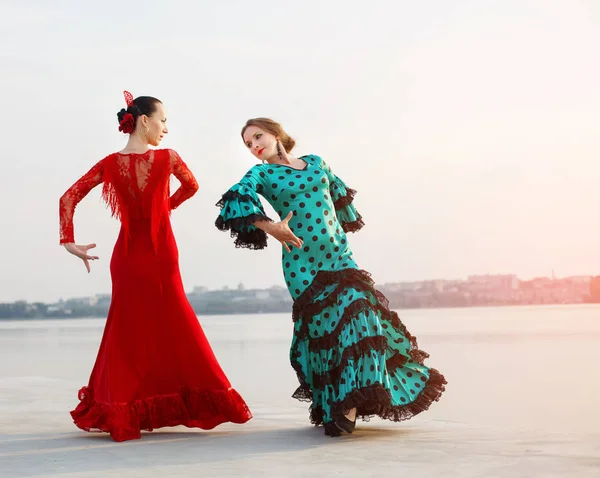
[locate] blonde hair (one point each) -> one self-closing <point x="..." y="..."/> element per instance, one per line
<point x="274" y="128"/>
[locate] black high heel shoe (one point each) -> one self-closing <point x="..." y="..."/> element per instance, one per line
<point x="344" y="424"/>
<point x="332" y="430"/>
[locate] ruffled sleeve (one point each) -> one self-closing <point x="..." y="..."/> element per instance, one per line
<point x="342" y="197"/>
<point x="240" y="208"/>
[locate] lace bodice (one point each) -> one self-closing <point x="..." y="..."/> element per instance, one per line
<point x="135" y="186"/>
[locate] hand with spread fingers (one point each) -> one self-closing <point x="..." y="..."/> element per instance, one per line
<point x="82" y="253"/>
<point x="281" y="231"/>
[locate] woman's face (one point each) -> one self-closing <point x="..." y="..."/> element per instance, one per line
<point x="155" y="125"/>
<point x="261" y="144"/>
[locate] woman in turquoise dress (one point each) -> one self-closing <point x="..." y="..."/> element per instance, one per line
<point x="352" y="354"/>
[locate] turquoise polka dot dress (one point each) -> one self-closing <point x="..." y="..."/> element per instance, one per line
<point x="349" y="349"/>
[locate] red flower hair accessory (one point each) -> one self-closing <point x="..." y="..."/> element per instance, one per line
<point x="127" y="124"/>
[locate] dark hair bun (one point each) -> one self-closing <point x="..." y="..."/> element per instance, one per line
<point x="142" y="105"/>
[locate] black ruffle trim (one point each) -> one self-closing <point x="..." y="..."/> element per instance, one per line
<point x="330" y="340"/>
<point x="236" y="196"/>
<point x="353" y="226"/>
<point x="306" y="304"/>
<point x="354" y="352"/>
<point x="344" y="201"/>
<point x="374" y="399"/>
<point x="249" y="239"/>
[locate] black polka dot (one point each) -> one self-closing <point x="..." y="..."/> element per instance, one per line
<point x="291" y="183"/>
<point x="287" y="264"/>
<point x="302" y="205"/>
<point x="324" y="231"/>
<point x="286" y="204"/>
<point x="293" y="275"/>
<point x="328" y="256"/>
<point x="296" y="257"/>
<point x="326" y="212"/>
<point x="315" y="238"/>
<point x="311" y="259"/>
<point x="308" y="215"/>
<point x="318" y="221"/>
<point x="270" y="171"/>
<point x="274" y="185"/>
<point x="305" y="282"/>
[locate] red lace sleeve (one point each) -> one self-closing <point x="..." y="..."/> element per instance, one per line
<point x="69" y="200"/>
<point x="189" y="185"/>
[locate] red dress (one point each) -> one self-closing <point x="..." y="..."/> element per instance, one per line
<point x="155" y="367"/>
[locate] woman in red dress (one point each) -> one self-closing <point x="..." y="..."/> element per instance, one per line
<point x="155" y="367"/>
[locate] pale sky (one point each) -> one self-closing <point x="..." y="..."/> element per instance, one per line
<point x="469" y="128"/>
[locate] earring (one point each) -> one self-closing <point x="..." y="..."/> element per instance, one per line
<point x="279" y="153"/>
